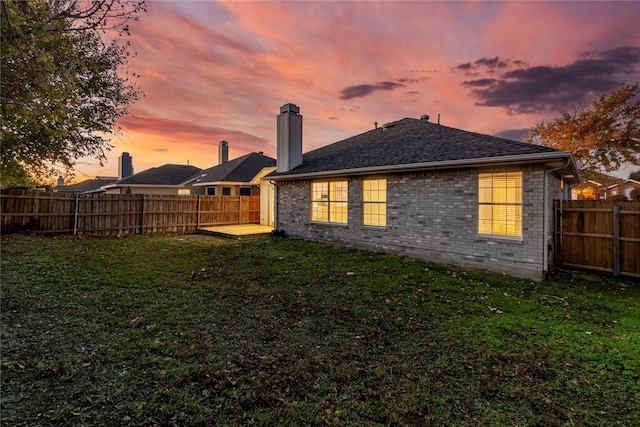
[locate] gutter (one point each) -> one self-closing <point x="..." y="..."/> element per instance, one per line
<point x="204" y="184"/>
<point x="493" y="161"/>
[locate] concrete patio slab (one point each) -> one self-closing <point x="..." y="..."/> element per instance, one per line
<point x="237" y="230"/>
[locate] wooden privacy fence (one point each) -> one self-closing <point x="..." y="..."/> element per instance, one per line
<point x="121" y="214"/>
<point x="599" y="235"/>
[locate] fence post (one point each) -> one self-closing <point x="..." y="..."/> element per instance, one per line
<point x="75" y="217"/>
<point x="239" y="209"/>
<point x="616" y="240"/>
<point x="198" y="214"/>
<point x="142" y="214"/>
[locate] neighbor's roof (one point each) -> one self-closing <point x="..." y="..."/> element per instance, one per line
<point x="414" y="143"/>
<point x="87" y="186"/>
<point x="162" y="175"/>
<point x="242" y="169"/>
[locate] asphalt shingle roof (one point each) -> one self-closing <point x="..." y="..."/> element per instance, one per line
<point x="409" y="141"/>
<point x="88" y="185"/>
<point x="242" y="169"/>
<point x="163" y="175"/>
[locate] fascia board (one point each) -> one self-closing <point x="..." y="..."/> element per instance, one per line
<point x="448" y="164"/>
<point x="143" y="185"/>
<point x="206" y="184"/>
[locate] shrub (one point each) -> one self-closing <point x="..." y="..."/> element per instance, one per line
<point x="618" y="198"/>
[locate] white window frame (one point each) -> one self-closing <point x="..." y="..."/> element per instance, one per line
<point x="330" y="201"/>
<point x="500" y="204"/>
<point x="374" y="202"/>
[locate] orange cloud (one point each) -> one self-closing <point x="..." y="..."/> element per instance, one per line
<point x="221" y="70"/>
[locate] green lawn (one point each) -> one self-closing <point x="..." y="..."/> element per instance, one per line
<point x="196" y="330"/>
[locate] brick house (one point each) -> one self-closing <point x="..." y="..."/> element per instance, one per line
<point x="237" y="177"/>
<point x="165" y="179"/>
<point x="425" y="190"/>
<point x="624" y="188"/>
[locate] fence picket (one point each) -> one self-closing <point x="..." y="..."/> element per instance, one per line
<point x="600" y="235"/>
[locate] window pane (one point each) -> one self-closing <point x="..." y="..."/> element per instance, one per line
<point x="338" y="191"/>
<point x="484" y="226"/>
<point x="320" y="191"/>
<point x="320" y="211"/>
<point x="484" y="212"/>
<point x="338" y="212"/>
<point x="484" y="195"/>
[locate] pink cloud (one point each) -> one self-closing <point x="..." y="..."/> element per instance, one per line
<point x="221" y="70"/>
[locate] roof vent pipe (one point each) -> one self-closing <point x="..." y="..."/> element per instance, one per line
<point x="424" y="117"/>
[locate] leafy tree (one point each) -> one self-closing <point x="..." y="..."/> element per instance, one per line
<point x="63" y="86"/>
<point x="601" y="135"/>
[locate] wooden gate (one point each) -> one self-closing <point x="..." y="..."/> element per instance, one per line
<point x="598" y="235"/>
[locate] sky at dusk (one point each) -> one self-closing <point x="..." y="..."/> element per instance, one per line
<point x="216" y="71"/>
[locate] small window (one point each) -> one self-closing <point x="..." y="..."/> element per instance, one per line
<point x="500" y="204"/>
<point x="374" y="202"/>
<point x="226" y="191"/>
<point x="211" y="191"/>
<point x="329" y="201"/>
<point x="245" y="191"/>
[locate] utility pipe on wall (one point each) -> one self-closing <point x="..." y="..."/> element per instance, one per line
<point x="545" y="224"/>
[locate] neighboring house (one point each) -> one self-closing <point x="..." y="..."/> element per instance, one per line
<point x="594" y="188"/>
<point x="418" y="188"/>
<point x="86" y="187"/>
<point x="237" y="177"/>
<point x="167" y="179"/>
<point x="624" y="188"/>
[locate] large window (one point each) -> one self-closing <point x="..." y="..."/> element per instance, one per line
<point x="500" y="204"/>
<point x="374" y="202"/>
<point x="329" y="200"/>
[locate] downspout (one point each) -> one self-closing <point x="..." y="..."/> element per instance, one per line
<point x="275" y="204"/>
<point x="545" y="214"/>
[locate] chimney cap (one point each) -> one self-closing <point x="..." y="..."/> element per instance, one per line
<point x="289" y="108"/>
<point x="223" y="142"/>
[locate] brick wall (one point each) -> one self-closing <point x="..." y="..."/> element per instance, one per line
<point x="431" y="215"/>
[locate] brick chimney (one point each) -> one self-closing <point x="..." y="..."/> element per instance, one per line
<point x="223" y="152"/>
<point x="125" y="166"/>
<point x="289" y="141"/>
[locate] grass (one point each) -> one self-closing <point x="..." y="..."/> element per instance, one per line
<point x="195" y="330"/>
